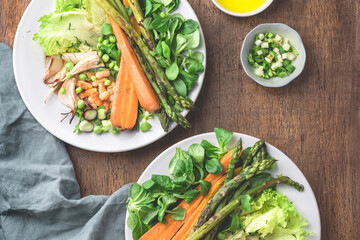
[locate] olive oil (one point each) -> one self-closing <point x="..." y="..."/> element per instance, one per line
<point x="241" y="6"/>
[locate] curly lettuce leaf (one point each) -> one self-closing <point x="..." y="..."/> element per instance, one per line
<point x="68" y="5"/>
<point x="74" y="27"/>
<point x="272" y="216"/>
<point x="95" y="14"/>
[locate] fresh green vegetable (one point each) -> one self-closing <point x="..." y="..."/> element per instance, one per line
<point x="236" y="203"/>
<point x="145" y="126"/>
<point x="78" y="90"/>
<point x="129" y="30"/>
<point x="68" y="75"/>
<point x="62" y="90"/>
<point x="106" y="125"/>
<point x="100" y="39"/>
<point x="246" y="207"/>
<point x="105" y="42"/>
<point x="112" y="39"/>
<point x="83" y="77"/>
<point x="107" y="82"/>
<point x="273" y="216"/>
<point x="271" y="56"/>
<point x="69" y="66"/>
<point x="105" y="58"/>
<point x="86" y="126"/>
<point x="73" y="27"/>
<point x="101" y="114"/>
<point x="97" y="129"/>
<point x="81" y="104"/>
<point x="234" y="160"/>
<point x="149" y="203"/>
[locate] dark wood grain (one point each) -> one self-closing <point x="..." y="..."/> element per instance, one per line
<point x="314" y="120"/>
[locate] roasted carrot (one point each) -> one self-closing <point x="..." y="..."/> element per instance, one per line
<point x="144" y="91"/>
<point x="165" y="231"/>
<point x="124" y="107"/>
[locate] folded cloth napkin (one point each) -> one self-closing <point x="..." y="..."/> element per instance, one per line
<point x="39" y="194"/>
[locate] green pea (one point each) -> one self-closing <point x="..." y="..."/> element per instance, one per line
<point x="62" y="90"/>
<point x="98" y="45"/>
<point x="105" y="58"/>
<point x="93" y="78"/>
<point x="69" y="66"/>
<point x="80" y="104"/>
<point x="68" y="75"/>
<point x="112" y="65"/>
<point x="78" y="90"/>
<point x="112" y="39"/>
<point x="116" y="68"/>
<point x="105" y="42"/>
<point x="107" y="82"/>
<point x="83" y="77"/>
<point x="101" y="114"/>
<point x="145" y="126"/>
<point x="100" y="53"/>
<point x="97" y="129"/>
<point x="114" y="131"/>
<point x="100" y="39"/>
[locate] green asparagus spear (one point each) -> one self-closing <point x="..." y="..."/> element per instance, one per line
<point x="114" y="4"/>
<point x="211" y="235"/>
<point x="234" y="158"/>
<point x="169" y="110"/>
<point x="131" y="32"/>
<point x="229" y="208"/>
<point x="258" y="145"/>
<point x="164" y="120"/>
<point x="228" y="187"/>
<point x="139" y="16"/>
<point x="122" y="10"/>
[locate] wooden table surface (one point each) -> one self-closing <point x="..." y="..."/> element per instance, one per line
<point x="314" y="120"/>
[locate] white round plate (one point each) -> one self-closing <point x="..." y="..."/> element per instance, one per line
<point x="304" y="202"/>
<point x="29" y="67"/>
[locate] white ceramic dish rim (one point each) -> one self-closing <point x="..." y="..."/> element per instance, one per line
<point x="290" y="77"/>
<point x="264" y="6"/>
<point x="144" y="176"/>
<point x="196" y="93"/>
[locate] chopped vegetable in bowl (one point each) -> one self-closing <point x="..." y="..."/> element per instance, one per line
<point x="272" y="56"/>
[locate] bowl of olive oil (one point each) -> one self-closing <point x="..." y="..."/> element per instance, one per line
<point x="242" y="8"/>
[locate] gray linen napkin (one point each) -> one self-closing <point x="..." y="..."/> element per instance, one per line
<point x="39" y="194"/>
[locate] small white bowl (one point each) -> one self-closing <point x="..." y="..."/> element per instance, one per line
<point x="265" y="5"/>
<point x="285" y="32"/>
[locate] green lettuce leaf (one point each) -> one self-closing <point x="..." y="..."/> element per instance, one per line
<point x="68" y="5"/>
<point x="272" y="216"/>
<point x="74" y="27"/>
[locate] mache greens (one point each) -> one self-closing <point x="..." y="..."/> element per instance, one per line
<point x="175" y="39"/>
<point x="149" y="202"/>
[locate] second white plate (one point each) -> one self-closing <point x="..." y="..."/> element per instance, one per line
<point x="304" y="202"/>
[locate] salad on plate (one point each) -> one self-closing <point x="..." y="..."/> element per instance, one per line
<point x="116" y="64"/>
<point x="212" y="192"/>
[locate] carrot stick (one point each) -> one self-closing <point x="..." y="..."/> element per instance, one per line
<point x="145" y="93"/>
<point x="124" y="108"/>
<point x="165" y="231"/>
